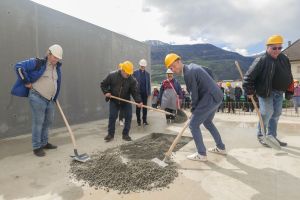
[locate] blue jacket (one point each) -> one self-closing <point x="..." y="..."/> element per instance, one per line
<point x="201" y="86"/>
<point x="29" y="71"/>
<point x="137" y="76"/>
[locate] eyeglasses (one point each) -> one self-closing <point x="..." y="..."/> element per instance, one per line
<point x="276" y="48"/>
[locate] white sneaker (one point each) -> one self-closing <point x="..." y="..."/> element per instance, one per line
<point x="197" y="157"/>
<point x="121" y="123"/>
<point x="218" y="151"/>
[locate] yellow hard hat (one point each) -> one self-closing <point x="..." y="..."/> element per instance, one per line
<point x="228" y="84"/>
<point x="127" y="67"/>
<point x="275" y="39"/>
<point x="170" y="58"/>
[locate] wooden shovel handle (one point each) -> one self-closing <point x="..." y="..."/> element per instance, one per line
<point x="67" y="124"/>
<point x="261" y="122"/>
<point x="148" y="107"/>
<point x="169" y="152"/>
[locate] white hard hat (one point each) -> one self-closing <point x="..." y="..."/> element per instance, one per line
<point x="143" y="63"/>
<point x="56" y="51"/>
<point x="169" y="71"/>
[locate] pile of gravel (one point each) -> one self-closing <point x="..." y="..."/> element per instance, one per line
<point x="110" y="170"/>
<point x="129" y="167"/>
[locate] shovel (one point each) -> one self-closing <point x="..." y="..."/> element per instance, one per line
<point x="78" y="157"/>
<point x="168" y="154"/>
<point x="182" y="115"/>
<point x="268" y="139"/>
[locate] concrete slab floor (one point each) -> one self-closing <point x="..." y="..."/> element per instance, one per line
<point x="249" y="171"/>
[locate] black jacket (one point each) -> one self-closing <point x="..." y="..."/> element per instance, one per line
<point x="121" y="87"/>
<point x="259" y="78"/>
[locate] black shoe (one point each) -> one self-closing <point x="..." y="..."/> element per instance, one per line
<point x="282" y="144"/>
<point x="127" y="138"/>
<point x="139" y="123"/>
<point x="50" y="146"/>
<point x="39" y="152"/>
<point x="108" y="138"/>
<point x="145" y="123"/>
<point x="262" y="141"/>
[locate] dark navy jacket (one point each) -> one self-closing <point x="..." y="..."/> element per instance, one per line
<point x="137" y="76"/>
<point x="29" y="71"/>
<point x="201" y="86"/>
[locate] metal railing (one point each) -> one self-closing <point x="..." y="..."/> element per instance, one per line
<point x="247" y="108"/>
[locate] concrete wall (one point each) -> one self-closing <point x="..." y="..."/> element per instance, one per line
<point x="90" y="53"/>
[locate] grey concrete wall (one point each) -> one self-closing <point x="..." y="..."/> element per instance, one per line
<point x="90" y="53"/>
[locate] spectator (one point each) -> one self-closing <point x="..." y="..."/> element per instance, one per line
<point x="296" y="97"/>
<point x="229" y="92"/>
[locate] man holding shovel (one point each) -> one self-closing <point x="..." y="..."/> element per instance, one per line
<point x="269" y="77"/>
<point x="39" y="80"/>
<point x="120" y="84"/>
<point x="206" y="98"/>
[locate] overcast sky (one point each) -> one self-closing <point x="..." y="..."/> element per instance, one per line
<point x="236" y="25"/>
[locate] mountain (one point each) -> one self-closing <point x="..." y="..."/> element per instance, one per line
<point x="155" y="43"/>
<point x="220" y="61"/>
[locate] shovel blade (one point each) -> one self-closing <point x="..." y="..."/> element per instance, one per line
<point x="81" y="158"/>
<point x="159" y="162"/>
<point x="180" y="117"/>
<point x="272" y="142"/>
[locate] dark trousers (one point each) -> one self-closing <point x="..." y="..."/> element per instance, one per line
<point x="121" y="114"/>
<point x="138" y="110"/>
<point x="230" y="104"/>
<point x="114" y="109"/>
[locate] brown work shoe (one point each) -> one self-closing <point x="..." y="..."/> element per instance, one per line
<point x="108" y="138"/>
<point x="50" y="146"/>
<point x="127" y="138"/>
<point x="39" y="152"/>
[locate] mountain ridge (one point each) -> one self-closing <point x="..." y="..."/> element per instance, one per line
<point x="220" y="61"/>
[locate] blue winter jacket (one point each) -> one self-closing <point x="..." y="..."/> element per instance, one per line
<point x="137" y="76"/>
<point x="29" y="71"/>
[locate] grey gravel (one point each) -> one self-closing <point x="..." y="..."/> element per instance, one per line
<point x="118" y="168"/>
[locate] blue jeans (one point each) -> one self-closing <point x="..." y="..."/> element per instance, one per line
<point x="204" y="114"/>
<point x="270" y="109"/>
<point x="296" y="101"/>
<point x="42" y="118"/>
<point x="114" y="109"/>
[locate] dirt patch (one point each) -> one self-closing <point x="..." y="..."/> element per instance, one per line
<point x="129" y="167"/>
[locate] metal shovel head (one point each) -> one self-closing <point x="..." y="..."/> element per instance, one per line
<point x="180" y="117"/>
<point x="81" y="158"/>
<point x="272" y="142"/>
<point x="159" y="162"/>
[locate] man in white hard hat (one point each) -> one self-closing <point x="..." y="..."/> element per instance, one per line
<point x="143" y="79"/>
<point x="39" y="79"/>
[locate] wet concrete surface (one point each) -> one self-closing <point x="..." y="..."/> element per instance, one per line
<point x="249" y="171"/>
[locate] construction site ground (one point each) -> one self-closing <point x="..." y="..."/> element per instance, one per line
<point x="249" y="171"/>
